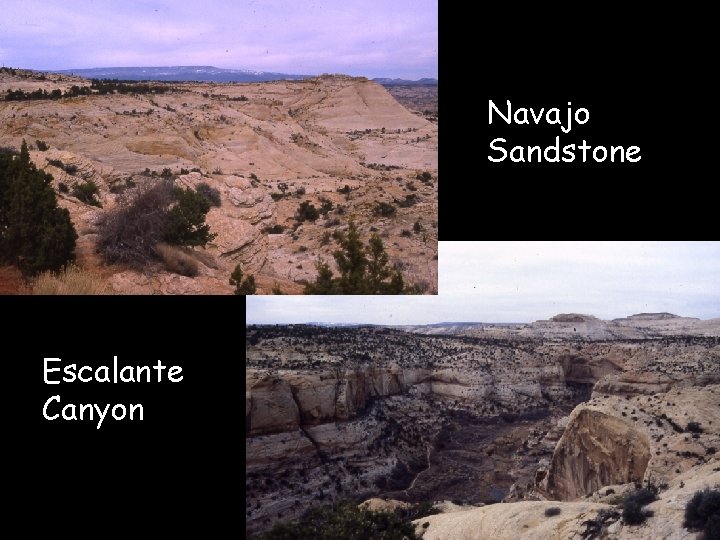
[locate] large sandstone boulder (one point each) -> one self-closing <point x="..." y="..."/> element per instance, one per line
<point x="596" y="450"/>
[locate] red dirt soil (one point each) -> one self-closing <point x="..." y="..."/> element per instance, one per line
<point x="10" y="280"/>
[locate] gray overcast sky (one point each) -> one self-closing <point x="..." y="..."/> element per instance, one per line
<point x="374" y="38"/>
<point x="528" y="281"/>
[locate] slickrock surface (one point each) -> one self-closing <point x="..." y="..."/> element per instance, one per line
<point x="527" y="520"/>
<point x="291" y="140"/>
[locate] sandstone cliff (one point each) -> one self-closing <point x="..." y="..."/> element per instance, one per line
<point x="362" y="412"/>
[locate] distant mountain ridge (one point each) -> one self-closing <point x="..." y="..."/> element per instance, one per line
<point x="209" y="74"/>
<point x="181" y="73"/>
<point x="405" y="82"/>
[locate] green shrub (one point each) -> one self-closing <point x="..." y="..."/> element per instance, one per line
<point x="276" y="289"/>
<point x="425" y="177"/>
<point x="325" y="207"/>
<point x="633" y="513"/>
<point x="275" y="229"/>
<point x="243" y="286"/>
<point x="712" y="526"/>
<point x="35" y="234"/>
<point x="210" y="193"/>
<point x="410" y="200"/>
<point x="186" y="219"/>
<point x="307" y="212"/>
<point x="552" y="511"/>
<point x="86" y="192"/>
<point x="41" y="145"/>
<point x="384" y="209"/>
<point x="344" y="520"/>
<point x="702" y="510"/>
<point x="363" y="269"/>
<point x="595" y="528"/>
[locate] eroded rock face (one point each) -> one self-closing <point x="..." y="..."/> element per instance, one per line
<point x="310" y="399"/>
<point x="578" y="369"/>
<point x="628" y="384"/>
<point x="596" y="450"/>
<point x="385" y="412"/>
<point x="270" y="406"/>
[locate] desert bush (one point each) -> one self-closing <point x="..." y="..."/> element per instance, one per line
<point x="275" y="229"/>
<point x="129" y="233"/>
<point x="41" y="145"/>
<point x="633" y="513"/>
<point x="210" y="193"/>
<point x="325" y="206"/>
<point x="73" y="280"/>
<point x="307" y="212"/>
<point x="693" y="427"/>
<point x="425" y="177"/>
<point x="276" y="289"/>
<point x="86" y="192"/>
<point x="344" y="190"/>
<point x="595" y="528"/>
<point x="185" y="220"/>
<point x="243" y="286"/>
<point x="410" y="200"/>
<point x="552" y="511"/>
<point x="176" y="260"/>
<point x="712" y="527"/>
<point x="702" y="511"/>
<point x="63" y="187"/>
<point x="384" y="209"/>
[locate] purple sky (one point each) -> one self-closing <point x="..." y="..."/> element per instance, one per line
<point x="373" y="38"/>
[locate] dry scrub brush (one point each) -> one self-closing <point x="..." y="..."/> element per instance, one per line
<point x="176" y="260"/>
<point x="129" y="234"/>
<point x="71" y="281"/>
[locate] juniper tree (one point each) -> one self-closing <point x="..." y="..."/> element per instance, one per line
<point x="34" y="233"/>
<point x="363" y="269"/>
